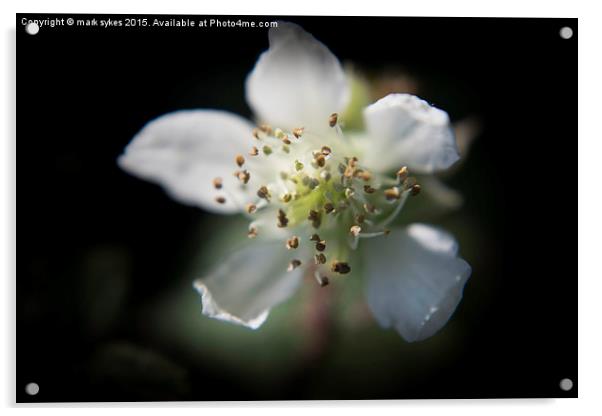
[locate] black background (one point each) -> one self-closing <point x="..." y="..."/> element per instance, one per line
<point x="83" y="93"/>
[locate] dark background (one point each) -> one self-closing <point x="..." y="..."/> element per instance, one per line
<point x="96" y="247"/>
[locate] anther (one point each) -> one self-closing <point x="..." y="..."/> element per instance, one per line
<point x="293" y="265"/>
<point x="369" y="208"/>
<point x="266" y="128"/>
<point x="217" y="183"/>
<point x="292" y="242"/>
<point x="286" y="140"/>
<point x="254" y="151"/>
<point x="267" y="150"/>
<point x="240" y="160"/>
<point x="320" y="160"/>
<point x="243" y="176"/>
<point x="328" y="207"/>
<point x="314" y="237"/>
<point x="340" y="267"/>
<point x="321" y="245"/>
<point x="332" y="120"/>
<point x="402" y="174"/>
<point x="256" y="133"/>
<point x="360" y="218"/>
<point x="286" y="198"/>
<point x="315" y="218"/>
<point x="320" y="258"/>
<point x="252" y="232"/>
<point x="355" y="230"/>
<point x="349" y="192"/>
<point x="286" y="149"/>
<point x="251" y="208"/>
<point x="392" y="194"/>
<point x="298" y="132"/>
<point x="264" y="193"/>
<point x="298" y="166"/>
<point x="279" y="134"/>
<point x="368" y="189"/>
<point x="321" y="279"/>
<point x="415" y="190"/>
<point x="220" y="199"/>
<point x="326" y="150"/>
<point x="282" y="219"/>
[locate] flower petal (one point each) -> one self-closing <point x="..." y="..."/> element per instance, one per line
<point x="415" y="280"/>
<point x="405" y="130"/>
<point x="297" y="82"/>
<point x="249" y="282"/>
<point x="185" y="150"/>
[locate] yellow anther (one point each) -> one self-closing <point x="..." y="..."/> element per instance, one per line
<point x="240" y="160"/>
<point x="332" y="120"/>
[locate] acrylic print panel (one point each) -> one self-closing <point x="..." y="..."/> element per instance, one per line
<point x="277" y="207"/>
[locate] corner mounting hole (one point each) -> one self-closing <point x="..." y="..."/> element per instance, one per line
<point x="32" y="389"/>
<point x="566" y="32"/>
<point x="566" y="384"/>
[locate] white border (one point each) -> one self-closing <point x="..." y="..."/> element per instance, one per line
<point x="590" y="202"/>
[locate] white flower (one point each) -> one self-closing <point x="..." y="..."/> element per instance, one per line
<point x="314" y="196"/>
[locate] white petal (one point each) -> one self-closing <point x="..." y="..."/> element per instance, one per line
<point x="415" y="280"/>
<point x="249" y="282"/>
<point x="405" y="130"/>
<point x="185" y="150"/>
<point x="297" y="82"/>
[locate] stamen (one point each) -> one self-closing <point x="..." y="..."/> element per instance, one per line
<point x="415" y="190"/>
<point x="314" y="237"/>
<point x="254" y="151"/>
<point x="220" y="199"/>
<point x="332" y="120"/>
<point x="355" y="230"/>
<point x="360" y="218"/>
<point x="266" y="128"/>
<point x="320" y="258"/>
<point x="402" y="174"/>
<point x="298" y="132"/>
<point x="243" y="176"/>
<point x="320" y="160"/>
<point x="240" y="160"/>
<point x="321" y="245"/>
<point x="217" y="183"/>
<point x="315" y="217"/>
<point x="282" y="219"/>
<point x="279" y="134"/>
<point x="368" y="189"/>
<point x="321" y="279"/>
<point x="286" y="197"/>
<point x="252" y="232"/>
<point x="293" y="265"/>
<point x="251" y="208"/>
<point x="285" y="140"/>
<point x="267" y="150"/>
<point x="326" y="150"/>
<point x="292" y="242"/>
<point x="298" y="166"/>
<point x="392" y="194"/>
<point x="264" y="193"/>
<point x="340" y="267"/>
<point x="328" y="207"/>
<point x="325" y="175"/>
<point x="256" y="133"/>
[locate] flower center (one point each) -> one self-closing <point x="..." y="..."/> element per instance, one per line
<point x="319" y="198"/>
